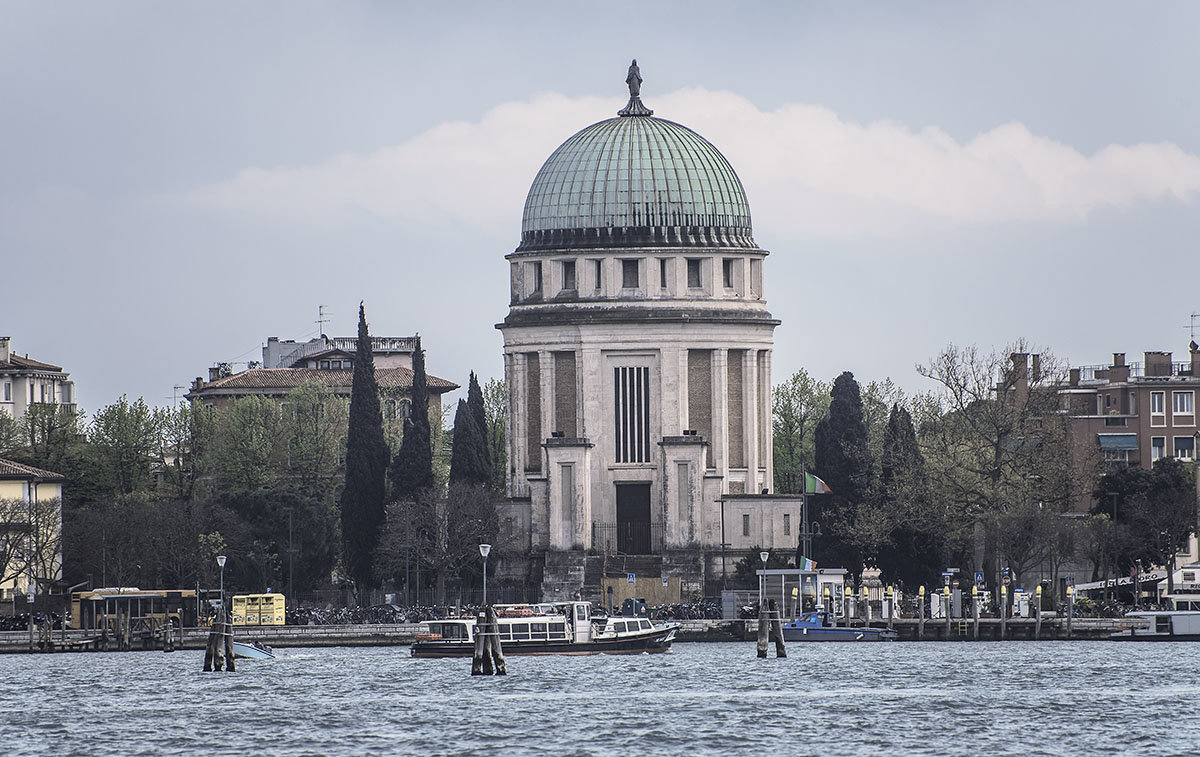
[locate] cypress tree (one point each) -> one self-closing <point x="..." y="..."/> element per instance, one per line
<point x="412" y="468"/>
<point x="843" y="461"/>
<point x="916" y="550"/>
<point x="479" y="413"/>
<point x="364" y="496"/>
<point x="468" y="463"/>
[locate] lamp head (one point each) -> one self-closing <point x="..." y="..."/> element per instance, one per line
<point x="484" y="549"/>
<point x="221" y="561"/>
<point x="763" y="556"/>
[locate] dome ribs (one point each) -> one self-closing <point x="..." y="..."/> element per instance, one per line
<point x="629" y="182"/>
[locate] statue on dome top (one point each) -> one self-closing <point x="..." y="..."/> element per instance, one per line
<point x="634" y="79"/>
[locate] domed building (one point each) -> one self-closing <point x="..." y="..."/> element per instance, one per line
<point x="637" y="353"/>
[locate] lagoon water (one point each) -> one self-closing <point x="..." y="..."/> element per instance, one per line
<point x="700" y="699"/>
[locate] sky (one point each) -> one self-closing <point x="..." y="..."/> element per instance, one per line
<point x="180" y="181"/>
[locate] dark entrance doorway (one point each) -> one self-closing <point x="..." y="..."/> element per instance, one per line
<point x="633" y="519"/>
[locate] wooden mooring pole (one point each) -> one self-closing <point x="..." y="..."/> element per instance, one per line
<point x="975" y="611"/>
<point x="488" y="656"/>
<point x="764" y="630"/>
<point x="218" y="653"/>
<point x="777" y="629"/>
<point x="921" y="614"/>
<point x="1037" y="626"/>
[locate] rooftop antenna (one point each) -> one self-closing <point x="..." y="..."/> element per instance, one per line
<point x="322" y="319"/>
<point x="1192" y="325"/>
<point x="175" y="395"/>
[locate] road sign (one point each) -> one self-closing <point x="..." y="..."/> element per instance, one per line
<point x="664" y="580"/>
<point x="979" y="578"/>
<point x="631" y="577"/>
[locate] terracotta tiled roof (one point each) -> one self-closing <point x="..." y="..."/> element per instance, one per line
<point x="25" y="363"/>
<point x="290" y="378"/>
<point x="10" y="469"/>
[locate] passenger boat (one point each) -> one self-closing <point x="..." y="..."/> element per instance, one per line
<point x="548" y="628"/>
<point x="253" y="650"/>
<point x="1169" y="625"/>
<point x="819" y="626"/>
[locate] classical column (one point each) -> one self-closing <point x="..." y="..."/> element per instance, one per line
<point x="720" y="415"/>
<point x="750" y="415"/>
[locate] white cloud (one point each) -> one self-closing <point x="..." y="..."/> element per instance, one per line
<point x="807" y="171"/>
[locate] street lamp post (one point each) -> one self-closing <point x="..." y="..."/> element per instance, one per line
<point x="221" y="563"/>
<point x="762" y="580"/>
<point x="484" y="549"/>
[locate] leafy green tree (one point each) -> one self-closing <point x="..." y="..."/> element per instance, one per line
<point x="185" y="437"/>
<point x="315" y="421"/>
<point x="125" y="436"/>
<point x="1155" y="511"/>
<point x="248" y="443"/>
<point x="364" y="497"/>
<point x="798" y="404"/>
<point x="843" y="461"/>
<point x="48" y="432"/>
<point x="10" y="434"/>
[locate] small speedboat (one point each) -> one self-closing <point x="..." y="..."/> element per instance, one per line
<point x="253" y="650"/>
<point x="819" y="626"/>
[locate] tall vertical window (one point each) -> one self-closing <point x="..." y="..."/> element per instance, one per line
<point x="598" y="267"/>
<point x="787" y="524"/>
<point x="631" y="409"/>
<point x="568" y="273"/>
<point x="745" y="524"/>
<point x="629" y="274"/>
<point x="1182" y="403"/>
<point x="693" y="273"/>
<point x="8" y="391"/>
<point x="1156" y="402"/>
<point x="1158" y="448"/>
<point x="727" y="273"/>
<point x="535" y="272"/>
<point x="662" y="273"/>
<point x="1185" y="447"/>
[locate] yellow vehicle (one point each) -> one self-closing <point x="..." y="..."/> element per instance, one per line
<point x="258" y="610"/>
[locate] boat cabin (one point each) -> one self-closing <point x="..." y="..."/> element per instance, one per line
<point x="553" y="621"/>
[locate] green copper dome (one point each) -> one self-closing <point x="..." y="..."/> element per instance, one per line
<point x="636" y="181"/>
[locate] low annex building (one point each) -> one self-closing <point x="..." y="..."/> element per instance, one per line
<point x="25" y="382"/>
<point x="30" y="529"/>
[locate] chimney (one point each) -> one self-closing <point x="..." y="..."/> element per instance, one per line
<point x="1195" y="349"/>
<point x="1037" y="369"/>
<point x="214" y="373"/>
<point x="1118" y="359"/>
<point x="4" y="354"/>
<point x="1074" y="377"/>
<point x="1158" y="364"/>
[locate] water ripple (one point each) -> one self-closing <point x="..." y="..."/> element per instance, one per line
<point x="702" y="699"/>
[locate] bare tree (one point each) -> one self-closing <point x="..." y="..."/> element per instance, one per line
<point x="30" y="540"/>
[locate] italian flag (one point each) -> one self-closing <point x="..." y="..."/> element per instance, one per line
<point x="814" y="485"/>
